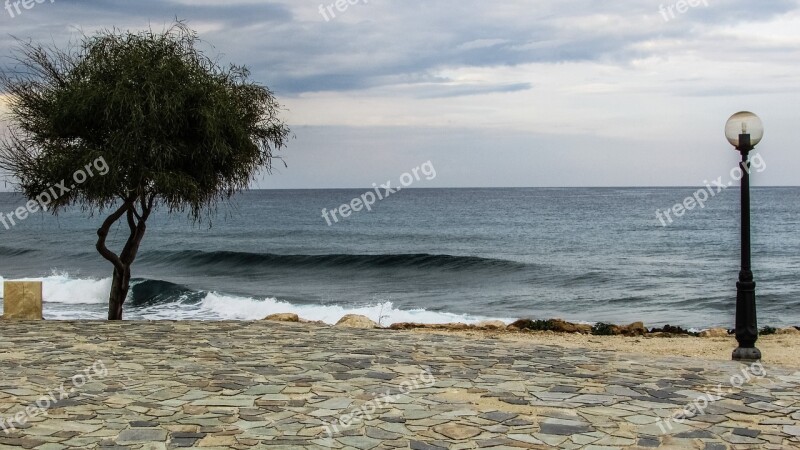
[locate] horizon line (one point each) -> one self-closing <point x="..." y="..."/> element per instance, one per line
<point x="512" y="187"/>
<point x="493" y="187"/>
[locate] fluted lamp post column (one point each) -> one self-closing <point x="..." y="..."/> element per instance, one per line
<point x="744" y="131"/>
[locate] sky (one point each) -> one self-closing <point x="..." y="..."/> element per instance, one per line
<point x="494" y="94"/>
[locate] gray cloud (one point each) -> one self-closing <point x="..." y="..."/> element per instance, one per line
<point x="459" y="91"/>
<point x="293" y="49"/>
<point x="575" y="85"/>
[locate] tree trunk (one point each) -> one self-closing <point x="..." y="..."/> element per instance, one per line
<point x="120" y="284"/>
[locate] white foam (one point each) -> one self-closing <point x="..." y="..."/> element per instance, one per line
<point x="61" y="288"/>
<point x="242" y="308"/>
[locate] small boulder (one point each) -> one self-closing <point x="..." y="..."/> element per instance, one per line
<point x="356" y="321"/>
<point x="672" y="330"/>
<point x="453" y="326"/>
<point x="521" y="324"/>
<point x="283" y="317"/>
<point x="634" y="329"/>
<point x="714" y="333"/>
<point x="790" y="330"/>
<point x="554" y="325"/>
<point x="405" y="326"/>
<point x="314" y="322"/>
<point x="491" y="324"/>
<point x="562" y="326"/>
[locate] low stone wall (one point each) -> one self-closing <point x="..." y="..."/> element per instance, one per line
<point x="22" y="300"/>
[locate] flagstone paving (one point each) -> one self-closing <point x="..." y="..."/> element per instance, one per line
<point x="235" y="385"/>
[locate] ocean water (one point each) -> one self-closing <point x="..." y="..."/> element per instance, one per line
<point x="431" y="256"/>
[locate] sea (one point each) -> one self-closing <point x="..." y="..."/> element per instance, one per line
<point x="428" y="256"/>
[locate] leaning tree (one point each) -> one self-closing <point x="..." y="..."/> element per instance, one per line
<point x="175" y="129"/>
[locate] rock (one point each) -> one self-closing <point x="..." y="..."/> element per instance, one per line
<point x="453" y="326"/>
<point x="435" y="326"/>
<point x="671" y="330"/>
<point x="634" y="329"/>
<point x="283" y="317"/>
<point x="790" y="330"/>
<point x="313" y="322"/>
<point x="554" y="325"/>
<point x="491" y="324"/>
<point x="603" y="329"/>
<point x="356" y="321"/>
<point x="406" y="326"/>
<point x="714" y="333"/>
<point x="561" y="326"/>
<point x="522" y="324"/>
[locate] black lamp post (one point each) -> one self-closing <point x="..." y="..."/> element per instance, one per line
<point x="744" y="131"/>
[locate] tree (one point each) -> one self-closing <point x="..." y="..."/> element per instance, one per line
<point x="172" y="127"/>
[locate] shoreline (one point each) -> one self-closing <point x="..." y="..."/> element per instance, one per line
<point x="715" y="344"/>
<point x="84" y="297"/>
<point x="710" y="345"/>
<point x="557" y="325"/>
<point x="778" y="350"/>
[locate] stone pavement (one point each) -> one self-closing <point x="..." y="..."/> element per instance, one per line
<point x="157" y="385"/>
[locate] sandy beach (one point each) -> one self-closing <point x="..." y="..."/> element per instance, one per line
<point x="778" y="350"/>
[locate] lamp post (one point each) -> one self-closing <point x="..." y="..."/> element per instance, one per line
<point x="744" y="131"/>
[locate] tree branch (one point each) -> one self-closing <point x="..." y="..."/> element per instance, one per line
<point x="138" y="229"/>
<point x="102" y="234"/>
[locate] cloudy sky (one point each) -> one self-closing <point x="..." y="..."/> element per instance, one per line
<point x="493" y="93"/>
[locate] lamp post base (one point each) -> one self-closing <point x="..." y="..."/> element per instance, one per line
<point x="747" y="354"/>
<point x="746" y="322"/>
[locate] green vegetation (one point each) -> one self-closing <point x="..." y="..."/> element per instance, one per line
<point x="602" y="329"/>
<point x="766" y="331"/>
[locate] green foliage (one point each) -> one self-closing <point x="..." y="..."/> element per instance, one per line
<point x="534" y="325"/>
<point x="766" y="331"/>
<point x="602" y="329"/>
<point x="172" y="125"/>
<point x="542" y="325"/>
<point x="670" y="329"/>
